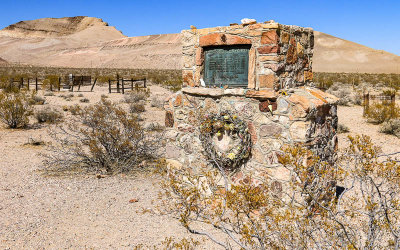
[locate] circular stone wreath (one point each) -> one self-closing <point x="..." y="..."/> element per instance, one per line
<point x="222" y="125"/>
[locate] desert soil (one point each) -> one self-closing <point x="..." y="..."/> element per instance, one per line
<point x="53" y="212"/>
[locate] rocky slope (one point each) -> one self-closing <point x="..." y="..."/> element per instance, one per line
<point x="90" y="42"/>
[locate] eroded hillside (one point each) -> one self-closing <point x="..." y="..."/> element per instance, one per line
<point x="90" y="42"/>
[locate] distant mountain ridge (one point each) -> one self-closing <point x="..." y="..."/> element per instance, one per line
<point x="52" y="27"/>
<point x="90" y="42"/>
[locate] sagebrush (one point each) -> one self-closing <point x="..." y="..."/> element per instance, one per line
<point x="15" y="108"/>
<point x="102" y="138"/>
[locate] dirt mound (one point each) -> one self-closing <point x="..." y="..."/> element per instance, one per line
<point x="52" y="27"/>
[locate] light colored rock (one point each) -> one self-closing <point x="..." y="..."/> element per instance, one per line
<point x="298" y="130"/>
<point x="271" y="129"/>
<point x="248" y="21"/>
<point x="262" y="94"/>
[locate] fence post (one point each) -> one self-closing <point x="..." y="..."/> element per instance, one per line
<point x="393" y="102"/>
<point x="131" y="84"/>
<point x="366" y="104"/>
<point x="28" y="83"/>
<point x="36" y="84"/>
<point x="145" y="82"/>
<point x="80" y="83"/>
<point x="109" y="86"/>
<point x="137" y="87"/>
<point x="123" y="86"/>
<point x="94" y="83"/>
<point x="59" y="83"/>
<point x="118" y="85"/>
<point x="21" y="85"/>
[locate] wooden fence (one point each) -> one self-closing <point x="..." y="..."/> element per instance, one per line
<point x="122" y="84"/>
<point x="33" y="82"/>
<point x="382" y="98"/>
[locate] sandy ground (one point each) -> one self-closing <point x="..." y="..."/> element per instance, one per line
<point x="353" y="119"/>
<point x="39" y="211"/>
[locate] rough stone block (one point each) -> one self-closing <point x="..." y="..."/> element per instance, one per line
<point x="222" y="39"/>
<point x="268" y="49"/>
<point x="272" y="129"/>
<point x="262" y="94"/>
<point x="268" y="81"/>
<point x="169" y="119"/>
<point x="188" y="78"/>
<point x="274" y="66"/>
<point x="269" y="37"/>
<point x="285" y="37"/>
<point x="252" y="67"/>
<point x="178" y="101"/>
<point x="253" y="132"/>
<point x="303" y="101"/>
<point x="270" y="58"/>
<point x="298" y="130"/>
<point x="199" y="56"/>
<point x="264" y="106"/>
<point x="283" y="105"/>
<point x="300" y="49"/>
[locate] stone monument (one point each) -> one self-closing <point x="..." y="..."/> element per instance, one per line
<point x="260" y="74"/>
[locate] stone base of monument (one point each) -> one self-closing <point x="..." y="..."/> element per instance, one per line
<point x="305" y="115"/>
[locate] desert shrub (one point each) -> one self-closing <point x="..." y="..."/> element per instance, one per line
<point x="49" y="94"/>
<point x="342" y="128"/>
<point x="65" y="107"/>
<point x="303" y="211"/>
<point x="84" y="100"/>
<point x="389" y="92"/>
<point x="15" y="109"/>
<point x="391" y="127"/>
<point x="104" y="96"/>
<point x="154" y="126"/>
<point x="157" y="102"/>
<point x="51" y="81"/>
<point x="101" y="138"/>
<point x="137" y="108"/>
<point x="48" y="115"/>
<point x="75" y="109"/>
<point x="135" y="97"/>
<point x="381" y="112"/>
<point x="37" y="100"/>
<point x="80" y="95"/>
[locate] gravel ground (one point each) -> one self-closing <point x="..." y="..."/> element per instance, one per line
<point x="38" y="211"/>
<point x="353" y="119"/>
<point x="53" y="212"/>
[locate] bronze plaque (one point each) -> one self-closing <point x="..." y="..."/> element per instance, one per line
<point x="226" y="65"/>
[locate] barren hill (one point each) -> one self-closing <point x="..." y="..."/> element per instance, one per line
<point x="332" y="54"/>
<point x="90" y="42"/>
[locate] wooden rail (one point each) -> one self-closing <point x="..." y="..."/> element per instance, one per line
<point x="122" y="84"/>
<point x="367" y="97"/>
